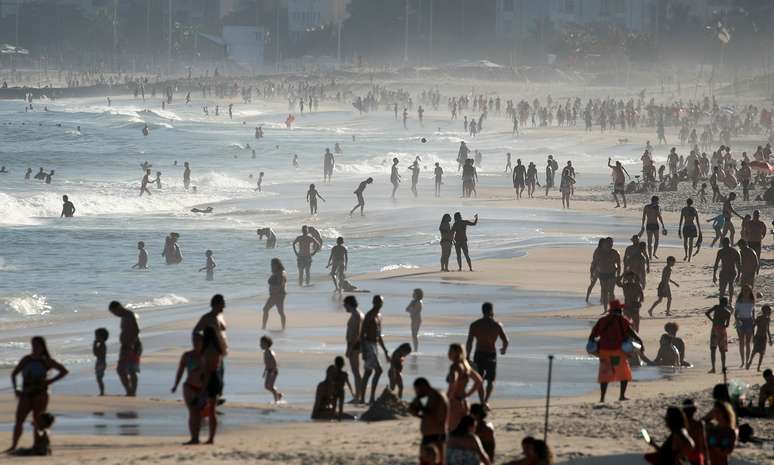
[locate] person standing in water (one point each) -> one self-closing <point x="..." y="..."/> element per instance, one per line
<point x="209" y="266"/>
<point x="308" y="246"/>
<point x="338" y="262"/>
<point x="370" y="343"/>
<point x="277" y="292"/>
<point x="130" y="348"/>
<point x="462" y="155"/>
<point x="158" y="180"/>
<point x="311" y="198"/>
<point x="485" y="332"/>
<point x="260" y="181"/>
<point x="68" y="209"/>
<point x="414" y="168"/>
<point x="186" y="175"/>
<point x="438" y="179"/>
<point x="144" y="183"/>
<point x="519" y="177"/>
<point x="328" y="163"/>
<point x="353" y="337"/>
<point x="394" y="177"/>
<point x="359" y="194"/>
<point x="508" y="163"/>
<point x="447" y="238"/>
<point x="459" y="229"/>
<point x="414" y="309"/>
<point x="142" y="257"/>
<point x="28" y="174"/>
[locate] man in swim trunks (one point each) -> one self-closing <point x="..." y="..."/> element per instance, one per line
<point x="359" y="194"/>
<point x="354" y="336"/>
<point x="433" y="416"/>
<point x="370" y="342"/>
<point x="307" y="247"/>
<point x="688" y="228"/>
<point x="130" y="348"/>
<point x="68" y="209"/>
<point x="728" y="210"/>
<point x="756" y="231"/>
<point x="651" y="217"/>
<point x="485" y="332"/>
<point x="720" y="316"/>
<point x="619" y="181"/>
<point x="607" y="267"/>
<point x="730" y="263"/>
<point x="519" y="177"/>
<point x="749" y="264"/>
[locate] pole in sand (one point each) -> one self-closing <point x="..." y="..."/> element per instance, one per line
<point x="548" y="396"/>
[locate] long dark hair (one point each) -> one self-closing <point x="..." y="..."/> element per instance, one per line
<point x="464" y="426"/>
<point x="542" y="452"/>
<point x="41" y="341"/>
<point x="446" y="218"/>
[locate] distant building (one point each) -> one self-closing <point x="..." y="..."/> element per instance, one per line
<point x="310" y="14"/>
<point x="245" y="45"/>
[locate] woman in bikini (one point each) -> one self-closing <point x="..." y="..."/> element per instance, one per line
<point x="460" y="373"/>
<point x="33" y="396"/>
<point x="277" y="282"/>
<point x="192" y="363"/>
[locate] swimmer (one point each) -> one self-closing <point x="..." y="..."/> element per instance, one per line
<point x="271" y="238"/>
<point x="142" y="257"/>
<point x="48" y="177"/>
<point x="209" y="266"/>
<point x="28" y="174"/>
<point x="145" y="130"/>
<point x="68" y="209"/>
<point x="158" y="180"/>
<point x="41" y="175"/>
<point x="338" y="262"/>
<point x="144" y="183"/>
<point x="3" y="170"/>
<point x="311" y="199"/>
<point x="258" y="184"/>
<point x="295" y="161"/>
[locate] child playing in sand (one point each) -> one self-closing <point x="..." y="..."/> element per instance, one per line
<point x="340" y="379"/>
<point x="396" y="367"/>
<point x="664" y="291"/>
<point x="703" y="193"/>
<point x="41" y="444"/>
<point x="209" y="266"/>
<point x="717" y="224"/>
<point x="142" y="257"/>
<point x="762" y="335"/>
<point x="100" y="351"/>
<point x="270" y="371"/>
<point x="414" y="310"/>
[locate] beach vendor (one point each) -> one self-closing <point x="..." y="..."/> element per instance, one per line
<point x="611" y="340"/>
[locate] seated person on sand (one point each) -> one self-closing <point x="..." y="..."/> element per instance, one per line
<point x="41" y="444"/>
<point x="671" y="350"/>
<point x="325" y="398"/>
<point x="765" y="405"/>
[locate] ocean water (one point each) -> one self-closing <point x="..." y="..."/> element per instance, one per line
<point x="58" y="275"/>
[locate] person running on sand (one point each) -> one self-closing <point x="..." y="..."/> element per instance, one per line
<point x="664" y="291"/>
<point x="609" y="334"/>
<point x="370" y="342"/>
<point x="689" y="228"/>
<point x="192" y="363"/>
<point x="459" y="229"/>
<point x="209" y="266"/>
<point x="460" y="373"/>
<point x="130" y="348"/>
<point x="619" y="181"/>
<point x="33" y="396"/>
<point x="761" y="337"/>
<point x="395" y="373"/>
<point x="485" y="332"/>
<point x="338" y="262"/>
<point x="730" y="265"/>
<point x="717" y="226"/>
<point x="270" y="370"/>
<point x="652" y="214"/>
<point x="463" y="447"/>
<point x="359" y="194"/>
<point x="99" y="349"/>
<point x="311" y="198"/>
<point x="433" y="414"/>
<point x="720" y="316"/>
<point x="354" y="336"/>
<point x="414" y="309"/>
<point x="68" y="209"/>
<point x="277" y="284"/>
<point x="308" y="246"/>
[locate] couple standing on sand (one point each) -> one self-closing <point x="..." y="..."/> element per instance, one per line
<point x="455" y="233"/>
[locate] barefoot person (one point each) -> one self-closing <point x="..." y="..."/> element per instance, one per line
<point x="307" y="247"/>
<point x="749" y="264"/>
<point x="447" y="238"/>
<point x="212" y="379"/>
<point x="68" y="209"/>
<point x="744" y="317"/>
<point x="485" y="332"/>
<point x="370" y="342"/>
<point x="762" y="336"/>
<point x="414" y="309"/>
<point x="459" y="229"/>
<point x="756" y="231"/>
<point x="728" y="211"/>
<point x="619" y="181"/>
<point x="359" y="194"/>
<point x="270" y="370"/>
<point x="606" y="265"/>
<point x="664" y="290"/>
<point x="354" y="336"/>
<point x="338" y="262"/>
<point x="33" y="396"/>
<point x="609" y="334"/>
<point x="730" y="263"/>
<point x="463" y="447"/>
<point x="689" y="228"/>
<point x="395" y="373"/>
<point x="433" y="414"/>
<point x="192" y="363"/>
<point x="130" y="348"/>
<point x="651" y="217"/>
<point x="720" y="316"/>
<point x="277" y="284"/>
<point x="460" y="374"/>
